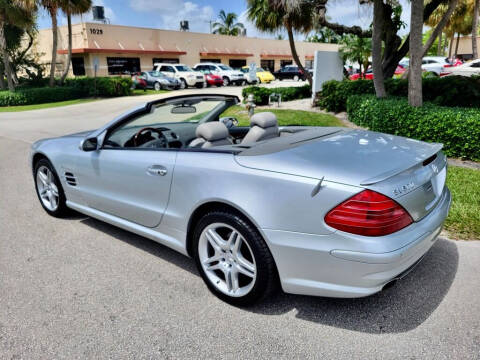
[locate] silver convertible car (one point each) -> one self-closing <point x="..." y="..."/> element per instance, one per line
<point x="321" y="211"/>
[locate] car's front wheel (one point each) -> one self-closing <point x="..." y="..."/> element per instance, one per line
<point x="157" y="86"/>
<point x="226" y="81"/>
<point x="49" y="189"/>
<point x="296" y="78"/>
<point x="233" y="258"/>
<point x="183" y="84"/>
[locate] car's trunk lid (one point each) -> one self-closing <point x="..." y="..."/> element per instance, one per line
<point x="392" y="165"/>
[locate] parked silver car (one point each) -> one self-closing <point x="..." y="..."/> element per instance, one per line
<point x="323" y="211"/>
<point x="158" y="81"/>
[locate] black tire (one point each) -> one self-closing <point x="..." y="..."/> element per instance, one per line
<point x="62" y="209"/>
<point x="183" y="84"/>
<point x="157" y="86"/>
<point x="266" y="281"/>
<point x="226" y="81"/>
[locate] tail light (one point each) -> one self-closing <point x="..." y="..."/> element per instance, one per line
<point x="369" y="213"/>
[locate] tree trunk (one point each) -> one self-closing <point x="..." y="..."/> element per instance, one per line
<point x="293" y="49"/>
<point x="53" y="15"/>
<point x="456" y="45"/>
<point x="3" y="86"/>
<point x="439" y="45"/>
<point x="5" y="57"/>
<point x="69" y="57"/>
<point x="378" y="80"/>
<point x="415" y="97"/>
<point x="475" y="29"/>
<point x="450" y="47"/>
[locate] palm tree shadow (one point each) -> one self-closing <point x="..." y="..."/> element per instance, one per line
<point x="400" y="308"/>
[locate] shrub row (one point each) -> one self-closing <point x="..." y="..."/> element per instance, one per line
<point x="447" y="91"/>
<point x="457" y="128"/>
<point x="262" y="94"/>
<point x="39" y="96"/>
<point x="74" y="88"/>
<point x="105" y="86"/>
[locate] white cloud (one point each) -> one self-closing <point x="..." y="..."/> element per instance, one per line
<point x="170" y="13"/>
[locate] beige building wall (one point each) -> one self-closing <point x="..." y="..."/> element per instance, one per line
<point x="464" y="46"/>
<point x="97" y="40"/>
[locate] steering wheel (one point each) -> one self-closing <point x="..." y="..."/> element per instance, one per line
<point x="161" y="136"/>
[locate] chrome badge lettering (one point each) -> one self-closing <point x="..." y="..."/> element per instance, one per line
<point x="403" y="189"/>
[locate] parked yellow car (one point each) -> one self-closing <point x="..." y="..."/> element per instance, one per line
<point x="264" y="76"/>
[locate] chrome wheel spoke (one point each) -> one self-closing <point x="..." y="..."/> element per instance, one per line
<point x="43" y="178"/>
<point x="245" y="266"/>
<point x="210" y="260"/>
<point x="54" y="189"/>
<point x="216" y="240"/>
<point x="47" y="188"/>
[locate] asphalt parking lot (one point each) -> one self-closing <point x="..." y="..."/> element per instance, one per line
<point x="79" y="288"/>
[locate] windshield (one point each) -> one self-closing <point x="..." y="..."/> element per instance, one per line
<point x="225" y="67"/>
<point x="183" y="68"/>
<point x="260" y="70"/>
<point x="157" y="74"/>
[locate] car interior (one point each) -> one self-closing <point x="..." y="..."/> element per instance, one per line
<point x="191" y="123"/>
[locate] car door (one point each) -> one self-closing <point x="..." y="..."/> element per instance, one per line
<point x="132" y="184"/>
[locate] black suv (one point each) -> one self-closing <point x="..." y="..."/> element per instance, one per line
<point x="290" y="72"/>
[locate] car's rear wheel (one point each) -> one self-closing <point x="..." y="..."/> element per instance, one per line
<point x="183" y="84"/>
<point x="233" y="258"/>
<point x="157" y="86"/>
<point x="49" y="189"/>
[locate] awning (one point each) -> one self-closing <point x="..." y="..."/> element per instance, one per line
<point x="275" y="55"/>
<point x="225" y="52"/>
<point x="309" y="57"/>
<point x="122" y="51"/>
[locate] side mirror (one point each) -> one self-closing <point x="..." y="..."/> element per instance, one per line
<point x="89" y="144"/>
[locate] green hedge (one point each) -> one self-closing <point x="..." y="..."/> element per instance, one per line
<point x="74" y="88"/>
<point x="447" y="91"/>
<point x="261" y="94"/>
<point x="39" y="96"/>
<point x="457" y="128"/>
<point x="106" y="86"/>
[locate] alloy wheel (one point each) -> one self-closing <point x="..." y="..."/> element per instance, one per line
<point x="47" y="189"/>
<point x="227" y="259"/>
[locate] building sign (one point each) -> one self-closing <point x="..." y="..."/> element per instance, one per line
<point x="94" y="31"/>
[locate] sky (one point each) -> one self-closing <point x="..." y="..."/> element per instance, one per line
<point x="167" y="14"/>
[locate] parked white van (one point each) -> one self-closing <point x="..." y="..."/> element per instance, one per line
<point x="228" y="75"/>
<point x="183" y="73"/>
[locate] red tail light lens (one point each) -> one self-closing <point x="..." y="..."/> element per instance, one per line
<point x="369" y="213"/>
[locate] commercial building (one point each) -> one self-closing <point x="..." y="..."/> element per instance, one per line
<point x="116" y="49"/>
<point x="465" y="51"/>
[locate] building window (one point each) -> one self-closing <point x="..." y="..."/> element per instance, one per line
<point x="268" y="65"/>
<point x="78" y="66"/>
<point x="284" y="63"/>
<point x="308" y="64"/>
<point x="237" y="63"/>
<point x="118" y="65"/>
<point x="165" y="61"/>
<point x="217" y="61"/>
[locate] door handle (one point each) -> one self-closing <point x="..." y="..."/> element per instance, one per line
<point x="157" y="170"/>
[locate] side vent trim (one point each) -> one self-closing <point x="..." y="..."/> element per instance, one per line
<point x="70" y="179"/>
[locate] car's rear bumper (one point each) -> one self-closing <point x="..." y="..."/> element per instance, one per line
<point x="322" y="265"/>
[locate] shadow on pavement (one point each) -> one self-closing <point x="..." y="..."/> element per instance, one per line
<point x="400" y="308"/>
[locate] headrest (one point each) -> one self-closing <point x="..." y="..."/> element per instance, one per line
<point x="212" y="131"/>
<point x="264" y="119"/>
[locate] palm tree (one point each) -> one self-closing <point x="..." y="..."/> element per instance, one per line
<point x="18" y="13"/>
<point x="356" y="49"/>
<point x="475" y="28"/>
<point x="415" y="96"/>
<point x="227" y="24"/>
<point x="72" y="7"/>
<point x="52" y="6"/>
<point x="274" y="15"/>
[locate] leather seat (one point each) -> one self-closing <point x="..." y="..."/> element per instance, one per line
<point x="263" y="126"/>
<point x="211" y="134"/>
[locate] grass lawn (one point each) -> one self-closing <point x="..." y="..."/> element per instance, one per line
<point x="44" y="106"/>
<point x="286" y="117"/>
<point x="463" y="222"/>
<point x="138" y="92"/>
